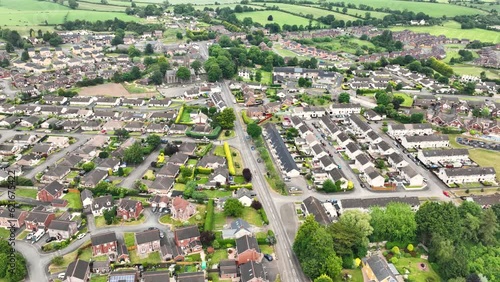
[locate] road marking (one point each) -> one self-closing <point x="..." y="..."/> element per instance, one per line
<point x="288" y="254"/>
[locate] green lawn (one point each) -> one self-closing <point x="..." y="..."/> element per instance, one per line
<point x="237" y="161"/>
<point x="218" y="255"/>
<point x="347" y="44"/>
<point x="26" y="192"/>
<point x="252" y="217"/>
<point x="360" y="13"/>
<point x="4" y="233"/>
<point x="219" y="220"/>
<point x="278" y="17"/>
<point x="151" y="259"/>
<point x="149" y="175"/>
<point x="266" y="249"/>
<point x="223" y="136"/>
<point x="73" y="200"/>
<point x="408" y="100"/>
<point x="198" y="218"/>
<point x="129" y="238"/>
<point x="98" y="7"/>
<point x="416" y="274"/>
<point x="87" y="255"/>
<point x="465" y="69"/>
<point x="134" y="88"/>
<point x="486" y="158"/>
<point x="186" y="117"/>
<point x="98" y="278"/>
<point x="192" y="162"/>
<point x="219" y="151"/>
<point x="286" y="53"/>
<point x="179" y="186"/>
<point x="357" y="275"/>
<point x="71" y="175"/>
<point x="451" y="29"/>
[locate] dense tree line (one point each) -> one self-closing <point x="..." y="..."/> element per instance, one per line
<point x="142" y="12"/>
<point x="8" y="271"/>
<point x="477" y="21"/>
<point x="465" y="56"/>
<point x="111" y="25"/>
<point x="13" y="37"/>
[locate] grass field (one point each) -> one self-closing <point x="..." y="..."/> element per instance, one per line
<point x="26" y="192"/>
<point x="464" y="69"/>
<point x="73" y="200"/>
<point x="416" y="274"/>
<point x="286" y="53"/>
<point x="151" y="258"/>
<point x="360" y="13"/>
<point x="451" y="29"/>
<point x="304" y="10"/>
<point x="486" y="158"/>
<point x="280" y="18"/>
<point x="408" y="100"/>
<point x="99" y="7"/>
<point x="346" y="44"/>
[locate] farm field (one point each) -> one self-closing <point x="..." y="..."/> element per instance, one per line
<point x="431" y="9"/>
<point x="280" y="18"/>
<point x="360" y="13"/>
<point x="198" y="2"/>
<point x="115" y="2"/>
<point x="99" y="7"/>
<point x="304" y="10"/>
<point x="286" y="53"/>
<point x="464" y="69"/>
<point x="345" y="44"/>
<point x="451" y="29"/>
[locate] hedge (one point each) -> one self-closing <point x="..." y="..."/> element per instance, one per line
<point x="262" y="241"/>
<point x="229" y="157"/>
<point x="234" y="187"/>
<point x="203" y="170"/>
<point x="224" y="242"/>
<point x="245" y="118"/>
<point x="401" y="245"/>
<point x="212" y="135"/>
<point x="205" y="150"/>
<point x="209" y="218"/>
<point x="264" y="216"/>
<point x="179" y="116"/>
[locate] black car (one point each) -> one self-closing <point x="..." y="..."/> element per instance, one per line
<point x="152" y="228"/>
<point x="268" y="257"/>
<point x="50" y="239"/>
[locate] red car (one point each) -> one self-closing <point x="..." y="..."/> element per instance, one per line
<point x="446" y="193"/>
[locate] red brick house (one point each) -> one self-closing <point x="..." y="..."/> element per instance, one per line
<point x="50" y="192"/>
<point x="188" y="238"/>
<point x="247" y="250"/>
<point x="182" y="209"/>
<point x="39" y="219"/>
<point x="147" y="242"/>
<point x="103" y="244"/>
<point x="12" y="219"/>
<point x="128" y="209"/>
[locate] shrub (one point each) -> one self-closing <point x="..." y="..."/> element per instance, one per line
<point x="263" y="215"/>
<point x="246" y="119"/>
<point x="395" y="250"/>
<point x="394" y="260"/>
<point x="202" y="170"/>
<point x="57" y="260"/>
<point x="230" y="164"/>
<point x="410" y="247"/>
<point x="178" y="118"/>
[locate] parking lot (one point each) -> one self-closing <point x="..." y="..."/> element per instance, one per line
<point x="478" y="144"/>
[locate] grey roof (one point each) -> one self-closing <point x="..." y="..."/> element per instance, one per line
<point x="41" y="148"/>
<point x="469" y="171"/>
<point x="77" y="269"/>
<point x="384" y="146"/>
<point x="330" y="125"/>
<point x="326" y="161"/>
<point x="317" y="149"/>
<point x="380" y="268"/>
<point x="191" y="277"/>
<point x="251" y="270"/>
<point x="187" y="232"/>
<point x="54" y="187"/>
<point x="246" y="243"/>
<point x="5" y="213"/>
<point x="487" y="200"/>
<point x="163" y="183"/>
<point x="62" y="225"/>
<point x="281" y="150"/>
<point x="228" y="266"/>
<point x="380" y="202"/>
<point x="245" y="192"/>
<point x="102" y="202"/>
<point x="396" y="158"/>
<point x="359" y="123"/>
<point x="211" y="159"/>
<point x="187" y="147"/>
<point x="427" y="138"/>
<point x="371" y="113"/>
<point x="362" y="159"/>
<point x="156" y="276"/>
<point x="445" y="153"/>
<point x="342" y="137"/>
<point x="410" y="172"/>
<point x="371" y="172"/>
<point x="239" y="223"/>
<point x="169" y="169"/>
<point x="372" y="135"/>
<point x="170" y="248"/>
<point x="93" y="177"/>
<point x="86" y="194"/>
<point x="315" y="207"/>
<point x="58" y="171"/>
<point x="178" y="158"/>
<point x="71" y="160"/>
<point x="147" y="236"/>
<point x="337" y="175"/>
<point x="352" y="147"/>
<point x="103" y="238"/>
<point x="38" y="216"/>
<point x="109" y="163"/>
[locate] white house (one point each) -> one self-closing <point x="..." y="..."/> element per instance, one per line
<point x="373" y="177"/>
<point x="400" y="130"/>
<point x="344" y="109"/>
<point x="412" y="177"/>
<point x="467" y="175"/>
<point x="396" y="160"/>
<point x="441" y="156"/>
<point x="425" y="141"/>
<point x="362" y="162"/>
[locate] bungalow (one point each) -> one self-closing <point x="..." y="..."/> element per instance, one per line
<point x="128" y="209"/>
<point x="411" y="177"/>
<point x="54" y="173"/>
<point x="188" y="238"/>
<point x="312" y="205"/>
<point x="372" y="115"/>
<point x="30" y="121"/>
<point x="133" y="102"/>
<point x="103" y="244"/>
<point x="24" y="139"/>
<point x="373" y="177"/>
<point x="177" y="129"/>
<point x="178" y="159"/>
<point x="366" y="203"/>
<point x="71" y="161"/>
<point x="245" y="196"/>
<point x="42" y="149"/>
<point x="426" y="141"/>
<point x="467" y="175"/>
<point x="50" y="192"/>
<point x="100" y="204"/>
<point x="157" y="128"/>
<point x="108" y="101"/>
<point x="327" y="163"/>
<point x="169" y="170"/>
<point x="92" y="178"/>
<point x="336" y="175"/>
<point x="113" y="125"/>
<point x="78" y="271"/>
<point x="161" y="185"/>
<point x="384" y="148"/>
<point x="14" y="218"/>
<point x="38" y="219"/>
<point x="91" y="125"/>
<point x="8" y="150"/>
<point x="352" y="150"/>
<point x="135" y="126"/>
<point x="247" y="249"/>
<point x="181" y="209"/>
<point x="147" y="241"/>
<point x="219" y="176"/>
<point x="10" y="122"/>
<point x="58" y="141"/>
<point x="396" y="160"/>
<point x="188" y="148"/>
<point x="163" y="103"/>
<point x="237" y="229"/>
<point x="108" y="164"/>
<point x="62" y="229"/>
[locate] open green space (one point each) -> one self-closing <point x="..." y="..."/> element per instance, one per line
<point x="74" y="201"/>
<point x="286" y="53"/>
<point x="346" y="44"/>
<point x="218" y="255"/>
<point x="305" y="10"/>
<point x="4" y="233"/>
<point x="417" y="275"/>
<point x="465" y="69"/>
<point x="26" y="192"/>
<point x="252" y="216"/>
<point x="408" y="100"/>
<point x="99" y="7"/>
<point x="217" y="193"/>
<point x="359" y="13"/>
<point x="279" y="17"/>
<point x="486" y="158"/>
<point x="451" y="29"/>
<point x="219" y="220"/>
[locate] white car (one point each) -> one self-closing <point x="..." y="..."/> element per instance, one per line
<point x="29" y="236"/>
<point x="61" y="276"/>
<point x="80" y="236"/>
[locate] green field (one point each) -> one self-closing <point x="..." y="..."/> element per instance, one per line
<point x="22" y="15"/>
<point x="26" y="193"/>
<point x="286" y="53"/>
<point x="360" y="13"/>
<point x="416" y="274"/>
<point x="280" y="18"/>
<point x="408" y="100"/>
<point x="346" y="44"/>
<point x="451" y="29"/>
<point x="99" y="7"/>
<point x="486" y="158"/>
<point x="464" y="69"/>
<point x="304" y="10"/>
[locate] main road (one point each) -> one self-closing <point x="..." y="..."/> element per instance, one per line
<point x="289" y="266"/>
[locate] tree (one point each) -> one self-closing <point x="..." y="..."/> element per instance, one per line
<point x="133" y="52"/>
<point x="117" y="40"/>
<point x="9" y="47"/>
<point x="186" y="171"/>
<point x="133" y="154"/>
<point x="109" y="215"/>
<point x="122" y="133"/>
<point x="470" y="88"/>
<point x="254" y="130"/>
<point x="270" y="18"/>
<point x="355" y="219"/>
<point x="344" y="98"/>
<point x="226" y="118"/>
<point x="488" y="227"/>
<point x="156" y="78"/>
<point x="72" y="4"/>
<point x="256" y="205"/>
<point x="380" y="164"/>
<point x="105" y="2"/>
<point x="170" y="149"/>
<point x="196" y="66"/>
<point x="179" y="35"/>
<point x="323" y="278"/>
<point x="189" y="189"/>
<point x="214" y="73"/>
<point x="183" y="73"/>
<point x="329" y="186"/>
<point x="88" y="166"/>
<point x="4" y="260"/>
<point x="149" y="49"/>
<point x="247" y="174"/>
<point x="438" y="219"/>
<point x="207" y="237"/>
<point x="153" y="141"/>
<point x="120" y="171"/>
<point x="233" y="207"/>
<point x="258" y="76"/>
<point x="316" y="257"/>
<point x="25" y="56"/>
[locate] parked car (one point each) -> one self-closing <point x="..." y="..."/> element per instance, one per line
<point x="81" y="235"/>
<point x="29" y="236"/>
<point x="50" y="239"/>
<point x="162" y="235"/>
<point x="152" y="228"/>
<point x="446" y="193"/>
<point x="61" y="276"/>
<point x="268" y="257"/>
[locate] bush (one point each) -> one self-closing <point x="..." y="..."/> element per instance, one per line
<point x="20" y="181"/>
<point x="394" y="260"/>
<point x="230" y="164"/>
<point x="410" y="247"/>
<point x="57" y="260"/>
<point x="178" y="118"/>
<point x="348" y="261"/>
<point x="401" y="245"/>
<point x="263" y="215"/>
<point x="202" y="170"/>
<point x="246" y="119"/>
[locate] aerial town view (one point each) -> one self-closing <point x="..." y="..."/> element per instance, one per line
<point x="250" y="140"/>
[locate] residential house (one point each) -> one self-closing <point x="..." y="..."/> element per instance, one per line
<point x="188" y="148"/>
<point x="312" y="205"/>
<point x="245" y="196"/>
<point x="178" y="159"/>
<point x="352" y="150"/>
<point x="78" y="271"/>
<point x="58" y="141"/>
<point x="359" y="127"/>
<point x="161" y="185"/>
<point x="396" y="160"/>
<point x="124" y="275"/>
<point x="128" y="209"/>
<point x="219" y="176"/>
<point x="55" y="173"/>
<point x="42" y="149"/>
<point x="13" y="219"/>
<point x="182" y="209"/>
<point x="62" y="229"/>
<point x="170" y="251"/>
<point x="188" y="238"/>
<point x="100" y="204"/>
<point x="426" y="141"/>
<point x="399" y="130"/>
<point x="50" y="192"/>
<point x="344" y="109"/>
<point x="384" y="148"/>
<point x="336" y="175"/>
<point x="377" y="269"/>
<point x="362" y="162"/>
<point x="109" y="164"/>
<point x="38" y="219"/>
<point x="373" y="177"/>
<point x="411" y="177"/>
<point x="169" y="170"/>
<point x="191" y="277"/>
<point x="443" y="156"/>
<point x="155" y="276"/>
<point x="9" y="150"/>
<point x="212" y="161"/>
<point x="92" y="178"/>
<point x="247" y="250"/>
<point x="372" y="115"/>
<point x="159" y="201"/>
<point x="280" y="152"/>
<point x="100" y="267"/>
<point x="104" y="244"/>
<point x="366" y="203"/>
<point x="228" y="269"/>
<point x="236" y="229"/>
<point x="147" y="241"/>
<point x="467" y="175"/>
